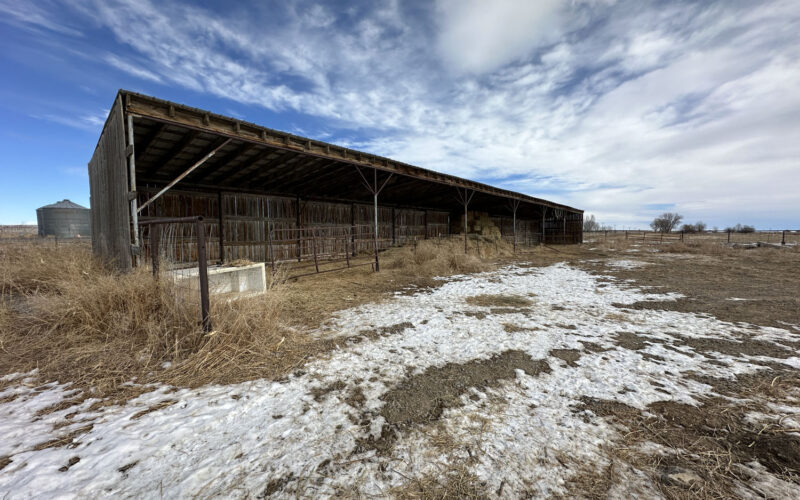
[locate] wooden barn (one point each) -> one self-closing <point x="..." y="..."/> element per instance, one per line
<point x="270" y="196"/>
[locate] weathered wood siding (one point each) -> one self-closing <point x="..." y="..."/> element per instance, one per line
<point x="262" y="228"/>
<point x="108" y="188"/>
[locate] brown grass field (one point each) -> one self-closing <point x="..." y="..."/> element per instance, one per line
<point x="66" y="315"/>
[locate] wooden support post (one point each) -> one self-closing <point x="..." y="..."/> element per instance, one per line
<point x="270" y="252"/>
<point x="729" y="235"/>
<point x="783" y="237"/>
<point x="314" y="247"/>
<point x="203" y="271"/>
<point x="375" y="233"/>
<point x="353" y="228"/>
<point x="132" y="193"/>
<point x="297" y="226"/>
<point x="466" y="226"/>
<point x="394" y="222"/>
<point x="346" y="249"/>
<point x="425" y="221"/>
<point x="544" y="235"/>
<point x="221" y="229"/>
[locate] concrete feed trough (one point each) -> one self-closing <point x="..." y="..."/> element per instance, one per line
<point x="244" y="280"/>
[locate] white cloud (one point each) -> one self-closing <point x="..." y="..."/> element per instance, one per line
<point x="131" y="69"/>
<point x="478" y="36"/>
<point x="83" y="121"/>
<point x="613" y="107"/>
<point x="28" y="15"/>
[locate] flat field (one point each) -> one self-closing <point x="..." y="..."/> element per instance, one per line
<point x="610" y="369"/>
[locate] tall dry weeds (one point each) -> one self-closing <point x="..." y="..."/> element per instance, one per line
<point x="78" y="322"/>
<point x="40" y="266"/>
<point x="441" y="257"/>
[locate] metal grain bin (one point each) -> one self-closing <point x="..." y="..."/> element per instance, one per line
<point x="64" y="219"/>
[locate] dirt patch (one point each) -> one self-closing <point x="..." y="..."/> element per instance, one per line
<point x="422" y="398"/>
<point x="508" y="310"/>
<point x="489" y="300"/>
<point x="72" y="461"/>
<point x="746" y="347"/>
<point x="475" y="314"/>
<point x="355" y="397"/>
<point x="709" y="444"/>
<point x="4" y="461"/>
<point x="512" y="328"/>
<point x="593" y="346"/>
<point x="569" y="356"/>
<point x="320" y="393"/>
<point x="383" y="331"/>
<point x="709" y="282"/>
<point x="630" y="340"/>
<point x="276" y="485"/>
<point x="606" y="408"/>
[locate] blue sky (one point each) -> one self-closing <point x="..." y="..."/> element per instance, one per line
<point x="621" y="108"/>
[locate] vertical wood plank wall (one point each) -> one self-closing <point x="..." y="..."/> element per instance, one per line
<point x="247" y="217"/>
<point x="108" y="181"/>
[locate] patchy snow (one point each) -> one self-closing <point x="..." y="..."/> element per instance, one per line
<point x="525" y="433"/>
<point x="626" y="264"/>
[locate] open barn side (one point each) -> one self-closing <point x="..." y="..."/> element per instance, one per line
<point x="270" y="196"/>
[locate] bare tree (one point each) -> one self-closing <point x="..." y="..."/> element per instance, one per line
<point x="590" y="224"/>
<point x="666" y="222"/>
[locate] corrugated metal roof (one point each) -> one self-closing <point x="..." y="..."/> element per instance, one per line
<point x="64" y="204"/>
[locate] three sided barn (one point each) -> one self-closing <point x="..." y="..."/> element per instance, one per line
<point x="267" y="195"/>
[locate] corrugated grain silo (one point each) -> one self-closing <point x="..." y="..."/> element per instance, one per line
<point x="64" y="219"/>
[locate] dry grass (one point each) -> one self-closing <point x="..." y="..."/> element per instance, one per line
<point x="490" y="300"/>
<point x="435" y="258"/>
<point x="64" y="314"/>
<point x="40" y="267"/>
<point x="703" y="247"/>
<point x="455" y="483"/>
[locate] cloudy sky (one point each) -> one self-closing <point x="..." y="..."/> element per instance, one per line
<point x="624" y="109"/>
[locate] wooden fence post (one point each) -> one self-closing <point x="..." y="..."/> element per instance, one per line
<point x="314" y="247"/>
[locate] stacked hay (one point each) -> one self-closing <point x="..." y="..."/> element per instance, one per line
<point x="478" y="223"/>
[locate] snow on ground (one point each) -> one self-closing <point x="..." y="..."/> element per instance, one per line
<point x="283" y="437"/>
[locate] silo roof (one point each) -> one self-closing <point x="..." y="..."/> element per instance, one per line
<point x="64" y="204"/>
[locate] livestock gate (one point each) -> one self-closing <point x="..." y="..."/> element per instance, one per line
<point x="271" y="196"/>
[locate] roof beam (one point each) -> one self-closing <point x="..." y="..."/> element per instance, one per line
<point x="223" y="159"/>
<point x="172" y="153"/>
<point x="251" y="164"/>
<point x="291" y="169"/>
<point x="145" y="145"/>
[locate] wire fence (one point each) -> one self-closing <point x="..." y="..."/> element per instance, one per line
<point x="769" y="236"/>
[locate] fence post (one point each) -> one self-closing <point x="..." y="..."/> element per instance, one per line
<point x="346" y="249"/>
<point x="314" y="248"/>
<point x="626" y="235"/>
<point x="203" y="268"/>
<point x="729" y="235"/>
<point x="375" y="244"/>
<point x="783" y="237"/>
<point x="155" y="240"/>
